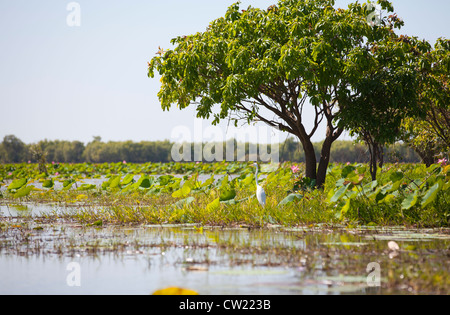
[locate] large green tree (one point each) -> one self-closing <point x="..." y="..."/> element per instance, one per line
<point x="268" y="65"/>
<point x="435" y="90"/>
<point x="430" y="135"/>
<point x="384" y="93"/>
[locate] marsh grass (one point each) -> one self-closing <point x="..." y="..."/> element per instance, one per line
<point x="166" y="200"/>
<point x="309" y="234"/>
<point x="152" y="210"/>
<point x="312" y="209"/>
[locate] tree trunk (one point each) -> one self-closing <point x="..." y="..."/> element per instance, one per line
<point x="310" y="159"/>
<point x="376" y="154"/>
<point x="427" y="156"/>
<point x="324" y="161"/>
<point x="380" y="156"/>
<point x="333" y="133"/>
<point x="373" y="162"/>
<point x="319" y="174"/>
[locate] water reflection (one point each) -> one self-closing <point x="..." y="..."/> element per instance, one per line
<point x="139" y="260"/>
<point x="33" y="210"/>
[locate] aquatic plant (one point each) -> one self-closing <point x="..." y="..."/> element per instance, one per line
<point x="224" y="193"/>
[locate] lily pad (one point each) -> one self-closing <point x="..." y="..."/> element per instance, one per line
<point x="23" y="192"/>
<point x="184" y="202"/>
<point x="18" y="183"/>
<point x="48" y="183"/>
<point x="227" y="194"/>
<point x="290" y="198"/>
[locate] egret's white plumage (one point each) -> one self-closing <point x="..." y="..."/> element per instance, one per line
<point x="260" y="193"/>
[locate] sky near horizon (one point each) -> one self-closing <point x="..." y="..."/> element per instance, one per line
<point x="75" y="82"/>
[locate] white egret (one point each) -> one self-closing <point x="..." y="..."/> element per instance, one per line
<point x="260" y="193"/>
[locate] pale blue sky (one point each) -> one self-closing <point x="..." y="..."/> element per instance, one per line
<point x="72" y="83"/>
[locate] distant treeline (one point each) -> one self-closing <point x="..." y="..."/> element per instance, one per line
<point x="13" y="150"/>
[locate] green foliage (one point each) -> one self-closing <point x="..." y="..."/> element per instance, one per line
<point x="86" y="187"/>
<point x="213" y="205"/>
<point x="23" y="192"/>
<point x="128" y="179"/>
<point x="410" y="200"/>
<point x="183" y="192"/>
<point x="402" y="193"/>
<point x="429" y="134"/>
<point x="227" y="191"/>
<point x="184" y="202"/>
<point x="396" y="193"/>
<point x="355" y="74"/>
<point x="297" y="41"/>
<point x="144" y="182"/>
<point x="18" y="183"/>
<point x="431" y="194"/>
<point x="290" y="198"/>
<point x="48" y="183"/>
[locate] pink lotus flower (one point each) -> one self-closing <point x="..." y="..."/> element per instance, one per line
<point x="124" y="162"/>
<point x="29" y="162"/>
<point x="9" y="174"/>
<point x="53" y="162"/>
<point x="295" y="169"/>
<point x="443" y="161"/>
<point x="56" y="174"/>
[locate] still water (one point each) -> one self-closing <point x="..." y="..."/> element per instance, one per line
<point x="43" y="257"/>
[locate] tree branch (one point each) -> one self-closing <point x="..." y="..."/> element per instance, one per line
<point x="271" y="123"/>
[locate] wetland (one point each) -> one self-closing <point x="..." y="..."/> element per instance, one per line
<point x="126" y="229"/>
<point x="35" y="255"/>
